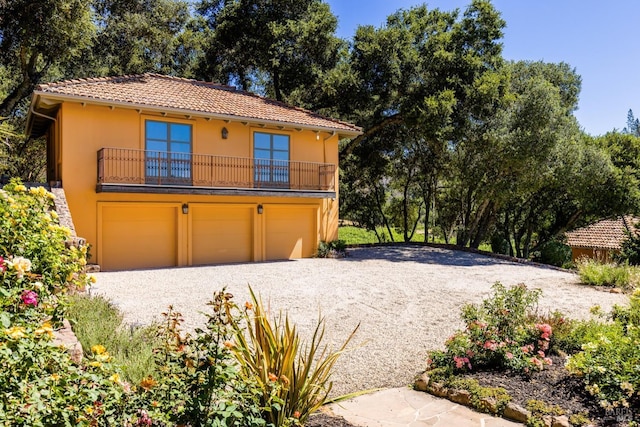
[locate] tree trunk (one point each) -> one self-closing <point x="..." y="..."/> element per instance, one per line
<point x="426" y="199"/>
<point x="276" y="85"/>
<point x="384" y="217"/>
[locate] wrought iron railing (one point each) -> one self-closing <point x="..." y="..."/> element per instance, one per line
<point x="147" y="167"/>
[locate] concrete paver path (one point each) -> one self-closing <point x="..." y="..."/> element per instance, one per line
<point x="402" y="407"/>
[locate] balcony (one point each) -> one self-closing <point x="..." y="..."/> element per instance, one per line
<point x="140" y="171"/>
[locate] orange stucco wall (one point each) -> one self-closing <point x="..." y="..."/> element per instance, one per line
<point x="83" y="130"/>
<point x="603" y="255"/>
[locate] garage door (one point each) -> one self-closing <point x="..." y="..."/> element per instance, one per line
<point x="290" y="231"/>
<point x="221" y="233"/>
<point x="139" y="236"/>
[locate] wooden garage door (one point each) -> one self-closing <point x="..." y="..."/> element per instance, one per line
<point x="139" y="235"/>
<point x="290" y="231"/>
<point x="221" y="233"/>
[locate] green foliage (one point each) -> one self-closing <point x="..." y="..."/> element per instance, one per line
<point x="41" y="386"/>
<point x="553" y="253"/>
<point x="581" y="419"/>
<point x="540" y="409"/>
<point x="295" y="377"/>
<point x="36" y="268"/>
<point x="479" y="394"/>
<point x="610" y="356"/>
<point x="30" y="46"/>
<point x="595" y="273"/>
<point x="333" y="249"/>
<point x="282" y="49"/>
<point x="500" y="333"/>
<point x="96" y="322"/>
<point x="135" y="37"/>
<point x="630" y="249"/>
<point x="197" y="382"/>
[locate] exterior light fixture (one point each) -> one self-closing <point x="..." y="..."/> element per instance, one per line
<point x="260" y="209"/>
<point x="185" y="208"/>
<point x="225" y="133"/>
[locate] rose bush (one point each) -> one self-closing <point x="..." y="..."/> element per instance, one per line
<point x="501" y="333"/>
<point x="36" y="266"/>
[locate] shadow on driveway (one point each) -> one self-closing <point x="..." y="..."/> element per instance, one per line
<point x="423" y="254"/>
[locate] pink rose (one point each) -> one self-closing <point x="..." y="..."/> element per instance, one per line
<point x="3" y="267"/>
<point x="509" y="355"/>
<point x="29" y="298"/>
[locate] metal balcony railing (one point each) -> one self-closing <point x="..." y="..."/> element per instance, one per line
<point x="122" y="166"/>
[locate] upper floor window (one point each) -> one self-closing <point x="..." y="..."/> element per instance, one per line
<point x="168" y="152"/>
<point x="271" y="160"/>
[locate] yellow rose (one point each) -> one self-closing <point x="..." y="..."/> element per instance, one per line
<point x="45" y="329"/>
<point x="98" y="349"/>
<point x="15" y="332"/>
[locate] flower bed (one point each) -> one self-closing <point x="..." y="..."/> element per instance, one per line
<point x="509" y="357"/>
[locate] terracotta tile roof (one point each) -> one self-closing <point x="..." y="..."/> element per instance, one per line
<point x="158" y="91"/>
<point x="605" y="234"/>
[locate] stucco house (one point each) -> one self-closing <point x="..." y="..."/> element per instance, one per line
<point x="162" y="171"/>
<point x="601" y="239"/>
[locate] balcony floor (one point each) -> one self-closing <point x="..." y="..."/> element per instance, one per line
<point x="217" y="191"/>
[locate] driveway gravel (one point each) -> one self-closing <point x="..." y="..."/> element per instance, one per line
<point x="406" y="299"/>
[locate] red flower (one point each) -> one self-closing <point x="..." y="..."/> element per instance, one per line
<point x="3" y="267"/>
<point x="29" y="298"/>
<point x="490" y="345"/>
<point x="545" y="330"/>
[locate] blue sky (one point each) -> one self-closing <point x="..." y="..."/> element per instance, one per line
<point x="601" y="40"/>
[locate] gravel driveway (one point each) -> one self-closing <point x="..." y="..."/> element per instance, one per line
<point x="406" y="299"/>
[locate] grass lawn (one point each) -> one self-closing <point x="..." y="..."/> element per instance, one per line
<point x="357" y="236"/>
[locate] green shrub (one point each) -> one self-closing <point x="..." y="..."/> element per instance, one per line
<point x="294" y="376"/>
<point x="198" y="381"/>
<point x="610" y="357"/>
<point x="630" y="249"/>
<point x="499" y="244"/>
<point x="333" y="249"/>
<point x="500" y="333"/>
<point x="598" y="274"/>
<point x="554" y="253"/>
<point x="96" y="321"/>
<point x="36" y="268"/>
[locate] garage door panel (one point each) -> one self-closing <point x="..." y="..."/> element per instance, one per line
<point x="139" y="236"/>
<point x="221" y="234"/>
<point x="290" y="232"/>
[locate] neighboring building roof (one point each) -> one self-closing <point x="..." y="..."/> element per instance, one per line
<point x="158" y="92"/>
<point x="605" y="234"/>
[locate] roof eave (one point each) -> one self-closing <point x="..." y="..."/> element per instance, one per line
<point x="37" y="95"/>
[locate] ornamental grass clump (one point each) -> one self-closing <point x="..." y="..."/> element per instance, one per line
<point x="596" y="273"/>
<point x="294" y="377"/>
<point x="503" y="332"/>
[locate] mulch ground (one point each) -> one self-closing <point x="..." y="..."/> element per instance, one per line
<point x="553" y="385"/>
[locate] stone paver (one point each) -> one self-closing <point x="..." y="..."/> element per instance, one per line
<point x="396" y="407"/>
